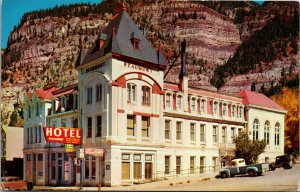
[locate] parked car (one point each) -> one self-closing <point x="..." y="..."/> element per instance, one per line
<point x="14" y="183"/>
<point x="285" y="161"/>
<point x="239" y="167"/>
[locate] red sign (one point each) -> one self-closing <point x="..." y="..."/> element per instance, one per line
<point x="62" y="135"/>
<point x="94" y="152"/>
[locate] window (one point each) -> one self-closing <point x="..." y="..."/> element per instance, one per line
<point x="125" y="166"/>
<point x="215" y="134"/>
<point x="179" y="102"/>
<point x="192" y="132"/>
<point x="202" y="133"/>
<point x="215" y="163"/>
<point x="255" y="130"/>
<point x="145" y="126"/>
<point x="167" y="129"/>
<point x="137" y="167"/>
<point x="63" y="122"/>
<point x="75" y="101"/>
<point x="168" y="100"/>
<point x="193" y="104"/>
<point x="31" y="135"/>
<point x="215" y="109"/>
<point x="29" y="111"/>
<point x="87" y="167"/>
<point x="224" y="109"/>
<point x="39" y="130"/>
<point x="178" y="130"/>
<point x="136" y="44"/>
<point x="202" y="105"/>
<point x="145" y="95"/>
<point x="99" y="126"/>
<point x="178" y="164"/>
<point x="192" y="165"/>
<point x="240" y="112"/>
<point x="167" y="164"/>
<point x="40" y="157"/>
<point x="98" y="92"/>
<point x="130" y="125"/>
<point x="37" y="109"/>
<point x="89" y="95"/>
<point x="64" y="102"/>
<point x="240" y="131"/>
<point x="131" y="92"/>
<point x="233" y="111"/>
<point x="93" y="167"/>
<point x="277" y="133"/>
<point x="35" y="129"/>
<point x="267" y="132"/>
<point x="224" y="135"/>
<point x="28" y="157"/>
<point x="28" y="135"/>
<point x="89" y="127"/>
<point x="202" y="164"/>
<point x="53" y="106"/>
<point x="232" y="134"/>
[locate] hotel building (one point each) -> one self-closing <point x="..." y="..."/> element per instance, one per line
<point x="147" y="128"/>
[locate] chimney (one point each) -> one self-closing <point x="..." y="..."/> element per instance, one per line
<point x="183" y="77"/>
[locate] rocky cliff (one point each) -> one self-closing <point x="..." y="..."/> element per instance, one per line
<point x="45" y="46"/>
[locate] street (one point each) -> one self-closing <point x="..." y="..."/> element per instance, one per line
<point x="278" y="180"/>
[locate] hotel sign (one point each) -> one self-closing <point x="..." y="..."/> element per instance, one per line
<point x="62" y="135"/>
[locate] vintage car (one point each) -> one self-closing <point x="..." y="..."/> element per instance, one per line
<point x="285" y="161"/>
<point x="14" y="183"/>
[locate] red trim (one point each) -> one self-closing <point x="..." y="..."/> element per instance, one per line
<point x="121" y="82"/>
<point x="114" y="83"/>
<point x="152" y="66"/>
<point x="145" y="114"/>
<point x="121" y="111"/>
<point x="140" y="76"/>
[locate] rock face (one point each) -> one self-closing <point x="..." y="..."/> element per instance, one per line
<point x="44" y="49"/>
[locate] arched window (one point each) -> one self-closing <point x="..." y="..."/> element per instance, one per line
<point x="131" y="92"/>
<point x="215" y="109"/>
<point x="277" y="133"/>
<point x="193" y="104"/>
<point x="168" y="99"/>
<point x="267" y="132"/>
<point x="233" y="111"/>
<point x="202" y="105"/>
<point x="224" y="109"/>
<point x="179" y="102"/>
<point x="255" y="129"/>
<point x="145" y="95"/>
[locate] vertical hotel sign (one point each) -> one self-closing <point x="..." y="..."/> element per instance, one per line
<point x="62" y="135"/>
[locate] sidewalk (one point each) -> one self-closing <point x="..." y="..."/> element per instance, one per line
<point x="147" y="186"/>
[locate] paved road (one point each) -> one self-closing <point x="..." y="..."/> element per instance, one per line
<point x="278" y="180"/>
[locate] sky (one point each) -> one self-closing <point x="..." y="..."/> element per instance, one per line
<point x="13" y="10"/>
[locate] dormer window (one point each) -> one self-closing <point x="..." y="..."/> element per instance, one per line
<point x="135" y="41"/>
<point x="136" y="44"/>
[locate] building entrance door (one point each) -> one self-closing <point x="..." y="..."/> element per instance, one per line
<point x="148" y="171"/>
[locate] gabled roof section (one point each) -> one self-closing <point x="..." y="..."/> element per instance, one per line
<point x="118" y="40"/>
<point x="254" y="98"/>
<point x="42" y="93"/>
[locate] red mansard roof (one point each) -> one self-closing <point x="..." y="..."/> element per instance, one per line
<point x="254" y="98"/>
<point x="53" y="92"/>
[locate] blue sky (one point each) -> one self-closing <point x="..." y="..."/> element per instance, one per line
<point x="13" y="10"/>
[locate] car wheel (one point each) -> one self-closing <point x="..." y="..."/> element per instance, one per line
<point x="251" y="173"/>
<point x="259" y="174"/>
<point x="224" y="175"/>
<point x="272" y="167"/>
